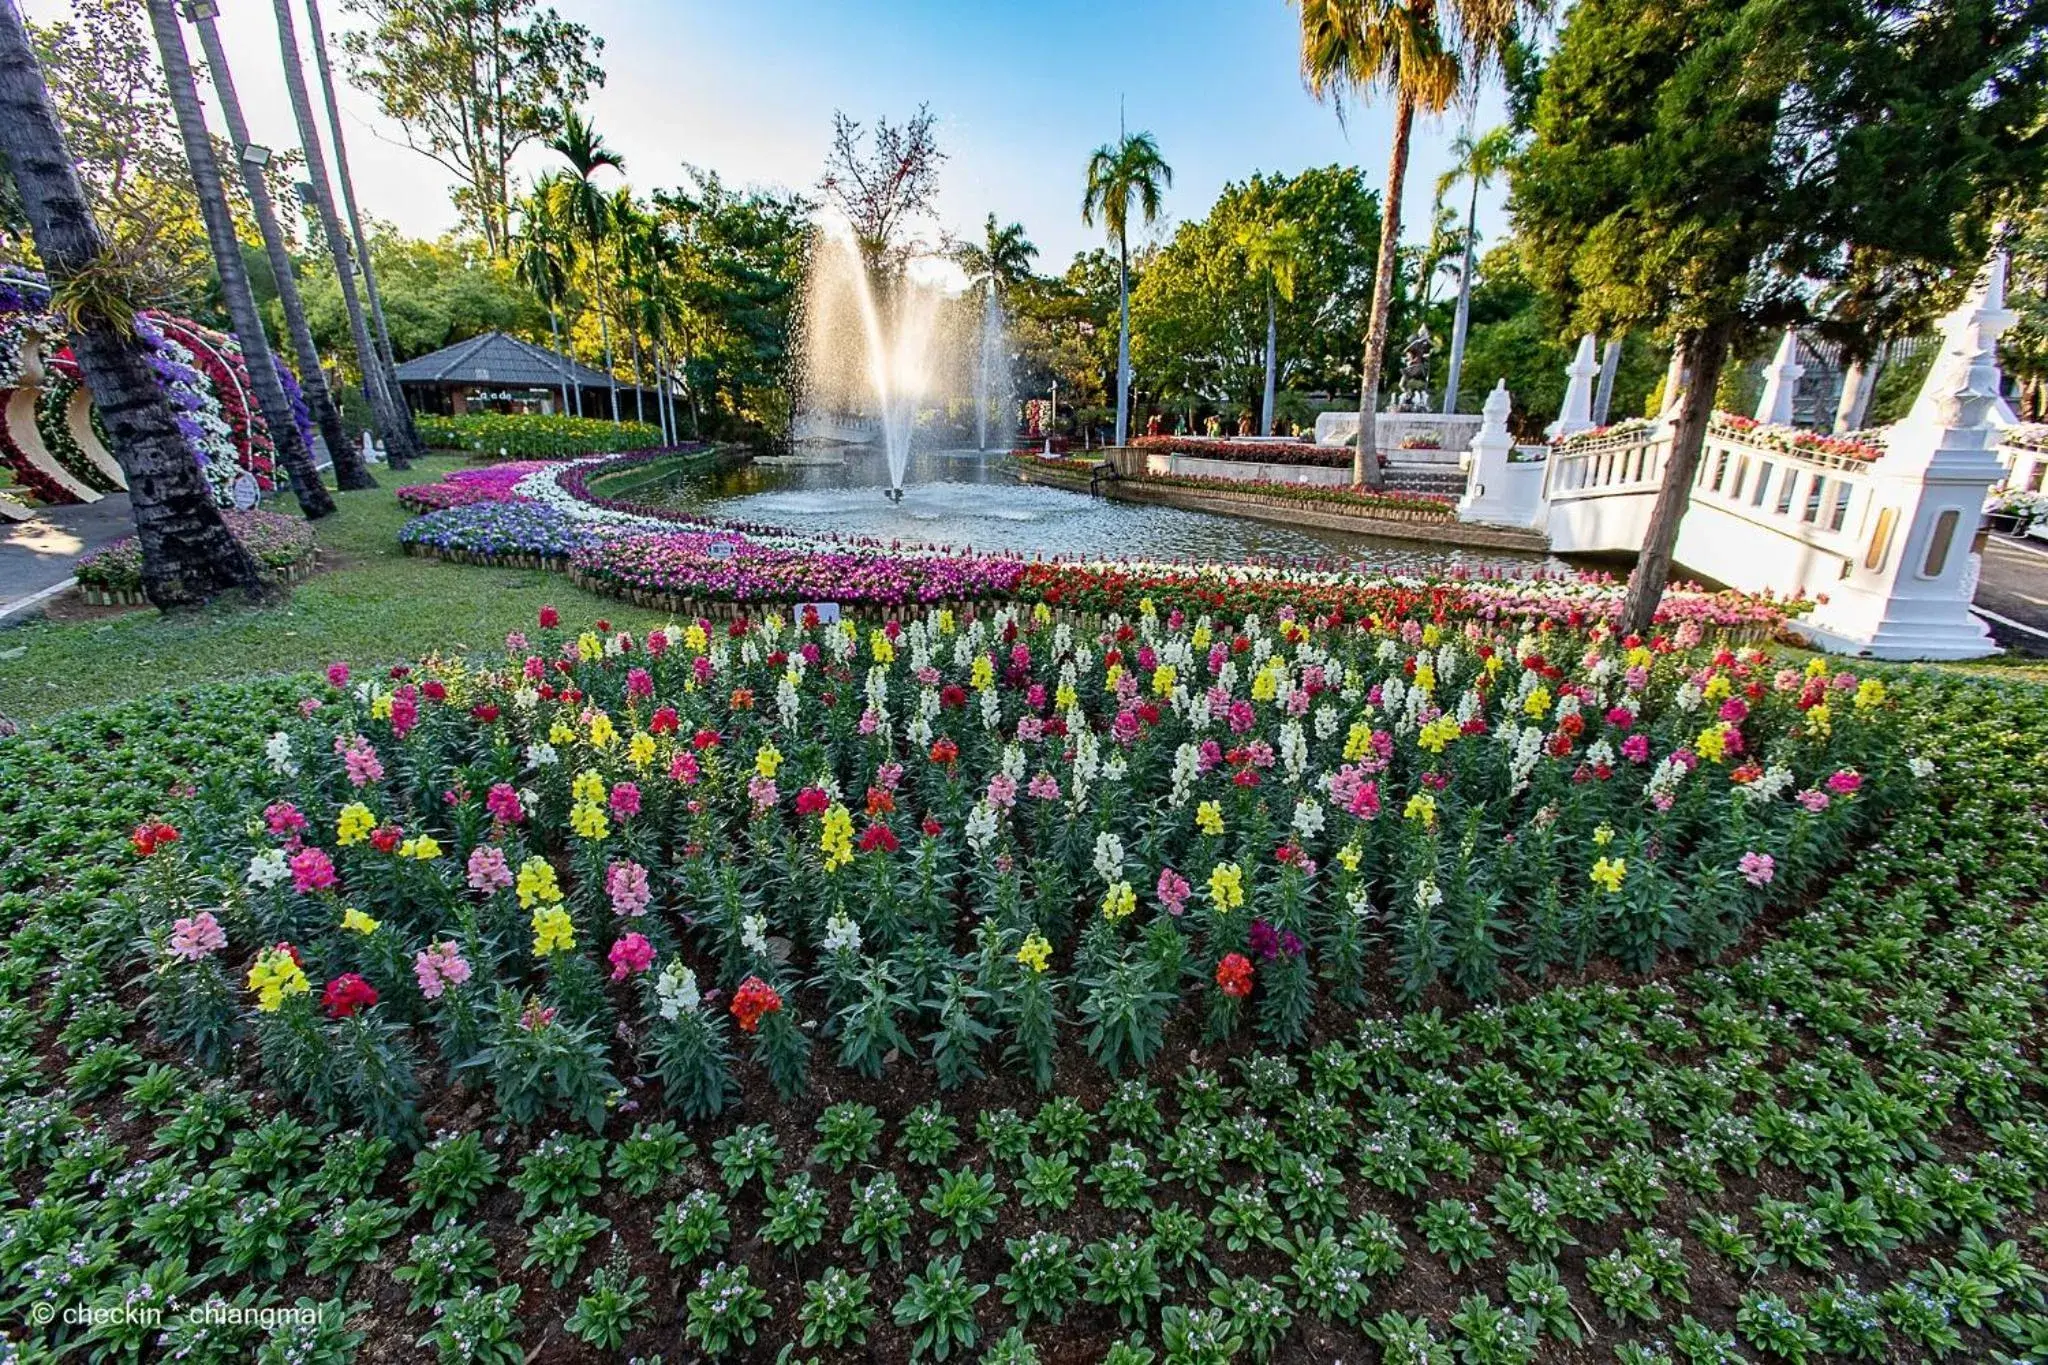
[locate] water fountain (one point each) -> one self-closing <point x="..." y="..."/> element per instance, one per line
<point x="992" y="377"/>
<point x="870" y="345"/>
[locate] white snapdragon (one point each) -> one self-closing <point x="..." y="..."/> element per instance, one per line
<point x="278" y="750"/>
<point x="268" y="869"/>
<point x="754" y="934"/>
<point x="676" y="990"/>
<point x="841" y="933"/>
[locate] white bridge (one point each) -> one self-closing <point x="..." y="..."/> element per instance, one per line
<point x="1880" y="530"/>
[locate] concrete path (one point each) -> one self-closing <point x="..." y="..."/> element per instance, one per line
<point x="36" y="555"/>
<point x="2012" y="593"/>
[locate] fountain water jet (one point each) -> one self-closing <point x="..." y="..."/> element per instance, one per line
<point x="992" y="378"/>
<point x="870" y="346"/>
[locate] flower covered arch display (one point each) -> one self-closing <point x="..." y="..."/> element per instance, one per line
<point x="51" y="448"/>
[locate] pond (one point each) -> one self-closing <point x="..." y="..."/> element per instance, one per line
<point x="971" y="500"/>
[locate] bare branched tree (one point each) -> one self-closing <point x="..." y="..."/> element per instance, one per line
<point x="883" y="182"/>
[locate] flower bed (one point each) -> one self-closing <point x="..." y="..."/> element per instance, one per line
<point x="1255" y="452"/>
<point x="458" y="488"/>
<point x="670" y="568"/>
<point x="283" y="546"/>
<point x="534" y="436"/>
<point x="1831" y="1146"/>
<point x="1389" y="502"/>
<point x="526" y="534"/>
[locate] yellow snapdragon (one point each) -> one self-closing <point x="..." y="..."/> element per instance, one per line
<point x="1036" y="954"/>
<point x="1226" y="887"/>
<point x="356" y="922"/>
<point x="274" y="977"/>
<point x="835" y="837"/>
<point x="1209" y="818"/>
<point x="354" y="824"/>
<point x="537" y="884"/>
<point x="1609" y="873"/>
<point x="553" y="931"/>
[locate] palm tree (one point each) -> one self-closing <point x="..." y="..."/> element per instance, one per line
<point x="1272" y="253"/>
<point x="349" y="470"/>
<point x="313" y="497"/>
<point x="188" y="555"/>
<point x="1365" y="46"/>
<point x="1000" y="260"/>
<point x="585" y="209"/>
<point x="383" y="410"/>
<point x="1130" y="168"/>
<point x="317" y="36"/>
<point x="630" y="248"/>
<point x="542" y="264"/>
<point x="1477" y="161"/>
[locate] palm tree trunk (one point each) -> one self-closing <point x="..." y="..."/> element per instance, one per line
<point x="1463" y="318"/>
<point x="383" y="415"/>
<point x="1272" y="359"/>
<point x="555" y="343"/>
<point x="349" y="471"/>
<point x="1704" y="351"/>
<point x="1123" y="339"/>
<point x="313" y="497"/>
<point x="1365" y="462"/>
<point x="387" y="359"/>
<point x="639" y="381"/>
<point x="188" y="556"/>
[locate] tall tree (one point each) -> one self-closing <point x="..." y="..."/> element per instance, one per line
<point x="542" y="256"/>
<point x="1126" y="173"/>
<point x="316" y="33"/>
<point x="1476" y="161"/>
<point x="1272" y="253"/>
<point x="1423" y="52"/>
<point x="313" y="497"/>
<point x="584" y="207"/>
<point x="188" y="555"/>
<point x="349" y="470"/>
<point x="1707" y="166"/>
<point x="384" y="415"/>
<point x="471" y="83"/>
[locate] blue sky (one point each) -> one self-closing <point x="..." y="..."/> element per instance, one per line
<point x="1023" y="92"/>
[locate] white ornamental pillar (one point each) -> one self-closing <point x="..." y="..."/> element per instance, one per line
<point x="1577" y="413"/>
<point x="1497" y="489"/>
<point x="1908" y="591"/>
<point x="1781" y="382"/>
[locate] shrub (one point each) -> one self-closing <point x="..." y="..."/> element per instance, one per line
<point x="534" y="436"/>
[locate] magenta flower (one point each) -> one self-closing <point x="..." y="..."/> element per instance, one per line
<point x="503" y="804"/>
<point x="312" y="870"/>
<point x="1845" y="782"/>
<point x="625" y="800"/>
<point x="630" y="955"/>
<point x="283" y="818"/>
<point x="337" y="675"/>
<point x="639" y="683"/>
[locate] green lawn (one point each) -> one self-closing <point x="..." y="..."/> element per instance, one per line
<point x="375" y="606"/>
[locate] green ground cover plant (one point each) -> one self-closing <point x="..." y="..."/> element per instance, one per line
<point x="1623" y="1093"/>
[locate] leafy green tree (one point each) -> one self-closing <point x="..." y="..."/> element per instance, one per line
<point x="1700" y="166"/>
<point x="1199" y="312"/>
<point x="588" y="213"/>
<point x="1128" y="173"/>
<point x="472" y="83"/>
<point x="1003" y="257"/>
<point x="439" y="293"/>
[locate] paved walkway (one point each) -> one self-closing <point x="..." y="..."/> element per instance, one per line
<point x="2012" y="593"/>
<point x="37" y="554"/>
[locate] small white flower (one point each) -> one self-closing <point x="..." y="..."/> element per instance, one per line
<point x="278" y="749"/>
<point x="754" y="934"/>
<point x="268" y="868"/>
<point x="676" y="990"/>
<point x="841" y="932"/>
<point x="541" y="755"/>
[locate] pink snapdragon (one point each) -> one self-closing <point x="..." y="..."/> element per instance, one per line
<point x="625" y="800"/>
<point x="488" y="870"/>
<point x="1757" y="868"/>
<point x="1044" y="787"/>
<point x="337" y="675"/>
<point x="626" y="883"/>
<point x="1173" y="891"/>
<point x="439" y="967"/>
<point x="1002" y="791"/>
<point x="197" y="936"/>
<point x="283" y="818"/>
<point x="1845" y="782"/>
<point x="359" y="757"/>
<point x="639" y="684"/>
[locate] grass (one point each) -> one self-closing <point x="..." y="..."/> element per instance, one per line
<point x="375" y="606"/>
